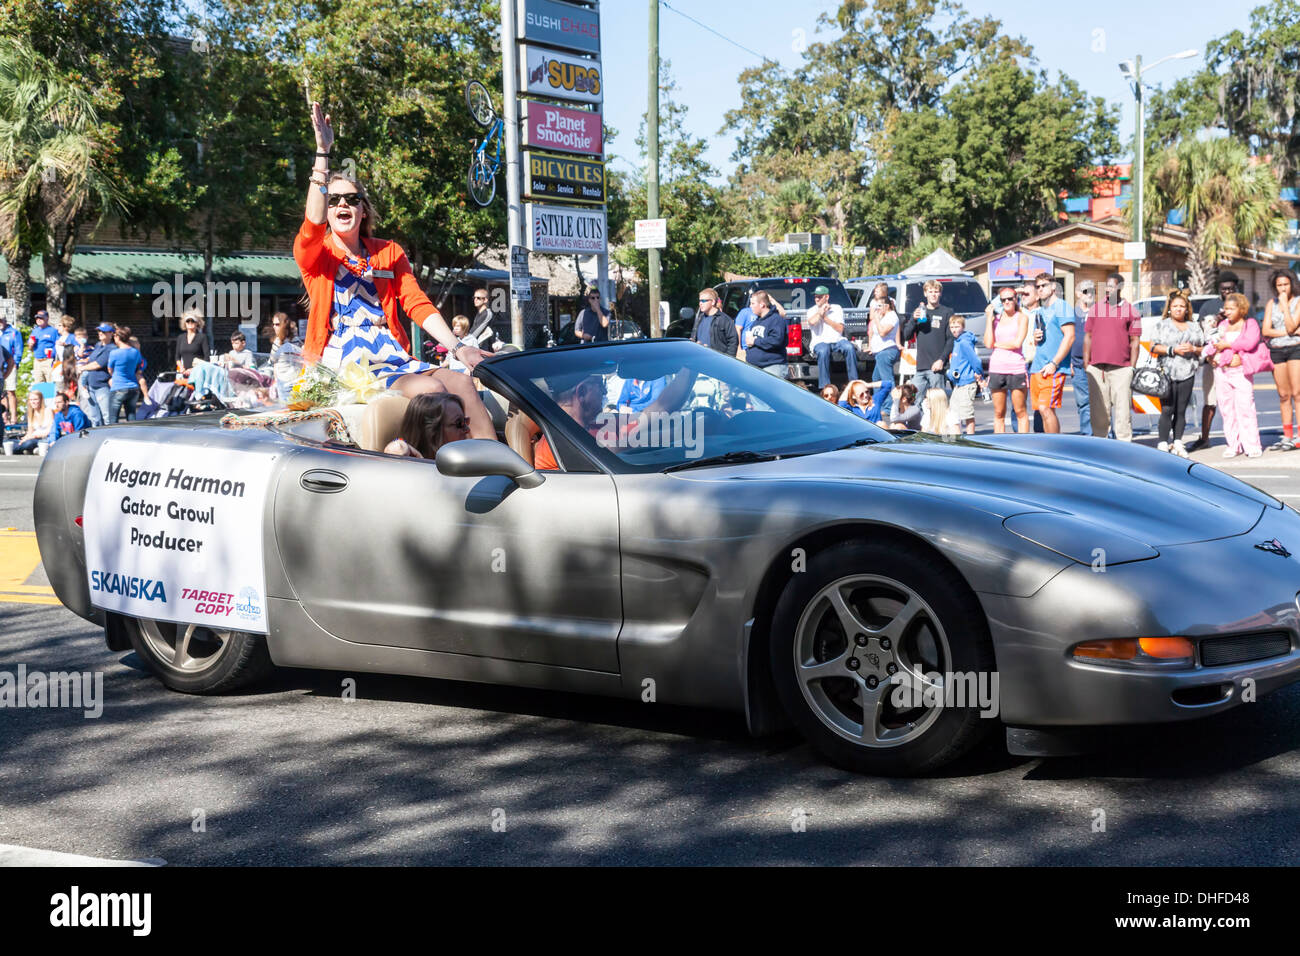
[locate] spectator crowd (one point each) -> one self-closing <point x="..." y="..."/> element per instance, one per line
<point x="1039" y="343"/>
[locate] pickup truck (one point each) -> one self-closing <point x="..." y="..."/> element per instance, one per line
<point x="796" y="297"/>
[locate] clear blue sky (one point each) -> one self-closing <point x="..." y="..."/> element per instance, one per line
<point x="706" y="66"/>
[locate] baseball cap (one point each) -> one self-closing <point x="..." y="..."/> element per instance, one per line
<point x="42" y="314"/>
<point x="105" y="327"/>
<point x="821" y="290"/>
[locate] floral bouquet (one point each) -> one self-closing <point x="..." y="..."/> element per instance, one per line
<point x="354" y="384"/>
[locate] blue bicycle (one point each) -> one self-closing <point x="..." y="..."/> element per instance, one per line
<point x="483" y="168"/>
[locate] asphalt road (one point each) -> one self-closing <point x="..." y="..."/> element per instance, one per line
<point x="419" y="771"/>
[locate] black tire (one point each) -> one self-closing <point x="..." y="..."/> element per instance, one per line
<point x="949" y="624"/>
<point x="221" y="661"/>
<point x="479" y="102"/>
<point x="482" y="184"/>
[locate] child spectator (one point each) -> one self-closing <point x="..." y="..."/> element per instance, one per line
<point x="238" y="356"/>
<point x="966" y="373"/>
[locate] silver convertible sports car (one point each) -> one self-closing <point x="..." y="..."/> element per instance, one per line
<point x="710" y="536"/>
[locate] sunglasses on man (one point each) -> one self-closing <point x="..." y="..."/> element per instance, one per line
<point x="348" y="199"/>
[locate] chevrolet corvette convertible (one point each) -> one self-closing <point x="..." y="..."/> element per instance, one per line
<point x="709" y="536"/>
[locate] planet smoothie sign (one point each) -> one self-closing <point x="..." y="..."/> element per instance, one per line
<point x="174" y="532"/>
<point x="562" y="128"/>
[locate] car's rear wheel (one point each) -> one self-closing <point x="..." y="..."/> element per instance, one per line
<point x="195" y="659"/>
<point x="869" y="645"/>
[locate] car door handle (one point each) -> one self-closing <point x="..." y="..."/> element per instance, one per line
<point x="323" y="482"/>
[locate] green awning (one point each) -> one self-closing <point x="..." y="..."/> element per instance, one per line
<point x="128" y="272"/>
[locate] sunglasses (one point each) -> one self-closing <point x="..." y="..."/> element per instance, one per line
<point x="347" y="199"/>
<point x="462" y="424"/>
<point x="705" y="301"/>
<point x="1007" y="298"/>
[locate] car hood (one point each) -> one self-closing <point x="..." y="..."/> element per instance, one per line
<point x="1150" y="496"/>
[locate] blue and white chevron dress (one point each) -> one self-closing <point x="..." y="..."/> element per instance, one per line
<point x="359" y="330"/>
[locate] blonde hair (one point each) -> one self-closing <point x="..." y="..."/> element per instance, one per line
<point x="850" y="390"/>
<point x="459" y="325"/>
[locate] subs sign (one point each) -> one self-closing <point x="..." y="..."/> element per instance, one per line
<point x="565" y="229"/>
<point x="559" y="24"/>
<point x="558" y="75"/>
<point x="559" y="127"/>
<point x="563" y="178"/>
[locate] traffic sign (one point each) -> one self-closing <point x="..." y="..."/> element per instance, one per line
<point x="651" y="233"/>
<point x="521" y="287"/>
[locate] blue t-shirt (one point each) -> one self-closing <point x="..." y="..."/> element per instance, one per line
<point x="639" y="394"/>
<point x="1076" y="351"/>
<point x="44" y="342"/>
<point x="871" y="414"/>
<point x="98" y="378"/>
<point x="11" y="340"/>
<point x="124" y="364"/>
<point x="744" y="319"/>
<point x="1055" y="317"/>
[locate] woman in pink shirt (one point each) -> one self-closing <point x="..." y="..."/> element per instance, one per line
<point x="1005" y="334"/>
<point x="1238" y="354"/>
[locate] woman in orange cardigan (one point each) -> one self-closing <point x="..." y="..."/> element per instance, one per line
<point x="355" y="283"/>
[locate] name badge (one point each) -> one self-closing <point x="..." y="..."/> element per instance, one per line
<point x="382" y="273"/>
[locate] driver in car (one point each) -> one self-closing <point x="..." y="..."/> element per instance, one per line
<point x="582" y="396"/>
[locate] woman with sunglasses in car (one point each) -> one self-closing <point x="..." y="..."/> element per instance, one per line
<point x="430" y="421"/>
<point x="355" y="283"/>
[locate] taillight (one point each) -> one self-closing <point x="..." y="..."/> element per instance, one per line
<point x="77" y="521"/>
<point x="794" y="340"/>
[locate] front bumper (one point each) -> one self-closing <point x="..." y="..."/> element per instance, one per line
<point x="1199" y="591"/>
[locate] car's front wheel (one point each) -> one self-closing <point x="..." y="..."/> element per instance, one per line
<point x="195" y="659"/>
<point x="882" y="658"/>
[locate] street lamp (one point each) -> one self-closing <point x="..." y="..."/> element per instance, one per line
<point x="1132" y="70"/>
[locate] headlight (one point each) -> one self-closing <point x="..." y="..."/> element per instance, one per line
<point x="1079" y="540"/>
<point x="1160" y="651"/>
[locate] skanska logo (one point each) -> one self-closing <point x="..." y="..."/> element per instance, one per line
<point x="140" y="589"/>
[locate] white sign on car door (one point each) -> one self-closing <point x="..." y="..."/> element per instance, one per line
<point x="174" y="533"/>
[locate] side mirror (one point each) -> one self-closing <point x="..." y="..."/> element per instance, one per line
<point x="687" y="313"/>
<point x="479" y="458"/>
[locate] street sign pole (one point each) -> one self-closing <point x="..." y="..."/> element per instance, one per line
<point x="510" y="116"/>
<point x="652" y="168"/>
<point x="1139" y="160"/>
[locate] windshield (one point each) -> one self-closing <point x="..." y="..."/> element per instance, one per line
<point x="798" y="293"/>
<point x="653" y="405"/>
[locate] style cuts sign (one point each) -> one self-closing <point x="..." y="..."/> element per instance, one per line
<point x="547" y="73"/>
<point x="174" y="533"/>
<point x="566" y="229"/>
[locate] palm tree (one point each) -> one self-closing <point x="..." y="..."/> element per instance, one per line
<point x="1228" y="201"/>
<point x="50" y="176"/>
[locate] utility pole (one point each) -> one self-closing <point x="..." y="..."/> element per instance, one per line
<point x="510" y="117"/>
<point x="652" y="167"/>
<point x="1138" y="160"/>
